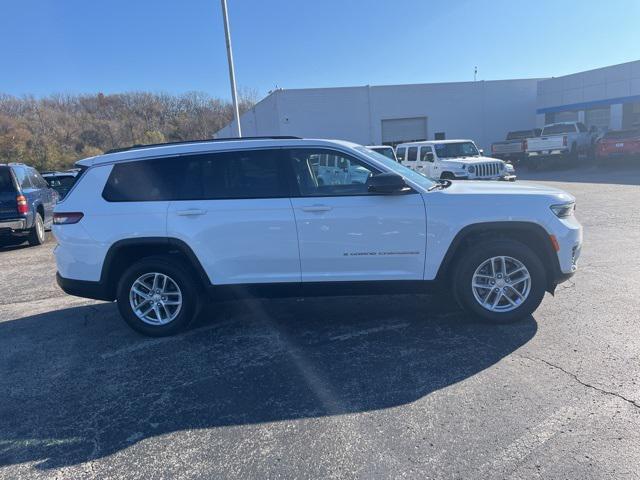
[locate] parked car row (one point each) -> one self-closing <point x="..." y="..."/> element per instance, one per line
<point x="567" y="143"/>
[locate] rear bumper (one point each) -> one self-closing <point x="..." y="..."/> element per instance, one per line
<point x="549" y="153"/>
<point x="13" y="226"/>
<point x="84" y="288"/>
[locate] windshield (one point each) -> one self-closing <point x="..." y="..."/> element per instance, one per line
<point x="456" y="150"/>
<point x="398" y="168"/>
<point x="387" y="152"/>
<point x="559" y="128"/>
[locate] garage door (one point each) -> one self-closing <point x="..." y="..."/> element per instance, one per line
<point x="398" y="130"/>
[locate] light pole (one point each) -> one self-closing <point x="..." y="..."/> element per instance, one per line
<point x="232" y="74"/>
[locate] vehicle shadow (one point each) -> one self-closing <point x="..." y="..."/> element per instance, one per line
<point x="620" y="174"/>
<point x="79" y="384"/>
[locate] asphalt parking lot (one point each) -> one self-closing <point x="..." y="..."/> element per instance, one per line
<point x="368" y="387"/>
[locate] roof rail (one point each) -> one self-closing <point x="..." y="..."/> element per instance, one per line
<point x="186" y="142"/>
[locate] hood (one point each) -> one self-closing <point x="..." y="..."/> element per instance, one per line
<point x="471" y="187"/>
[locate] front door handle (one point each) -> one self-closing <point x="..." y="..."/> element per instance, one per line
<point x="316" y="208"/>
<point x="191" y="211"/>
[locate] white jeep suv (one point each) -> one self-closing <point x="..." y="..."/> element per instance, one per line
<point x="453" y="160"/>
<point x="157" y="227"/>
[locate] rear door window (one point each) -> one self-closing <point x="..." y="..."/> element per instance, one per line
<point x="400" y="152"/>
<point x="412" y="154"/>
<point x="244" y="174"/>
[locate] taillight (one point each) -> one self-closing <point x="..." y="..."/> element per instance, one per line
<point x="67" y="218"/>
<point x="564" y="141"/>
<point x="21" y="204"/>
<point x="525" y="145"/>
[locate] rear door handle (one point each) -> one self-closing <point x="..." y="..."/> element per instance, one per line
<point x="316" y="208"/>
<point x="191" y="211"/>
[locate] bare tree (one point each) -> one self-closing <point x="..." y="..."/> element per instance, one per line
<point x="55" y="131"/>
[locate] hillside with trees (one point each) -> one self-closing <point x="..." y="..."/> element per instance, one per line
<point x="53" y="132"/>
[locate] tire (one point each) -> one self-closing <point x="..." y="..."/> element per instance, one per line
<point x="447" y="176"/>
<point x="574" y="156"/>
<point x="37" y="235"/>
<point x="468" y="265"/>
<point x="187" y="292"/>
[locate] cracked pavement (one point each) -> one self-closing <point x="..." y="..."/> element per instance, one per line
<point x="368" y="387"/>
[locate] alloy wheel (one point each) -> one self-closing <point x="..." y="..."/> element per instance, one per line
<point x="155" y="298"/>
<point x="501" y="284"/>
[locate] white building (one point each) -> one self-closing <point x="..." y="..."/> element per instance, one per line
<point x="608" y="97"/>
<point x="484" y="110"/>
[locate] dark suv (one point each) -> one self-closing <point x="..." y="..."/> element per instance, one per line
<point x="26" y="203"/>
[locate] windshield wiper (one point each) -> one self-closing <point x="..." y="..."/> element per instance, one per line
<point x="442" y="184"/>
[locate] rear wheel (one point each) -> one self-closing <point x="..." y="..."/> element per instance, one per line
<point x="37" y="235"/>
<point x="500" y="281"/>
<point x="157" y="296"/>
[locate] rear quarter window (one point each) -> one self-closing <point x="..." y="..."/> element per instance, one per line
<point x="141" y="181"/>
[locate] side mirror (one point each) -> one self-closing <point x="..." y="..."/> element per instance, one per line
<point x="481" y="151"/>
<point x="387" y="184"/>
<point x="429" y="157"/>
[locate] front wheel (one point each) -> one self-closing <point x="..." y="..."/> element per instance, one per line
<point x="499" y="281"/>
<point x="157" y="296"/>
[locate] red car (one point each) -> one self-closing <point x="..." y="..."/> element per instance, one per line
<point x="618" y="144"/>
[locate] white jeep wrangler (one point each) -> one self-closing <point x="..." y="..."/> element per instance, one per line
<point x="157" y="227"/>
<point x="453" y="160"/>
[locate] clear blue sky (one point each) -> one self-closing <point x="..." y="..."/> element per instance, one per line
<point x="74" y="46"/>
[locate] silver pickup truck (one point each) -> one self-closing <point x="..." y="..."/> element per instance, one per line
<point x="512" y="149"/>
<point x="565" y="142"/>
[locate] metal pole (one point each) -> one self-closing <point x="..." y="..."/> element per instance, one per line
<point x="232" y="75"/>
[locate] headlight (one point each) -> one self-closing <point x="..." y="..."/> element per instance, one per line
<point x="564" y="210"/>
<point x="472" y="169"/>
